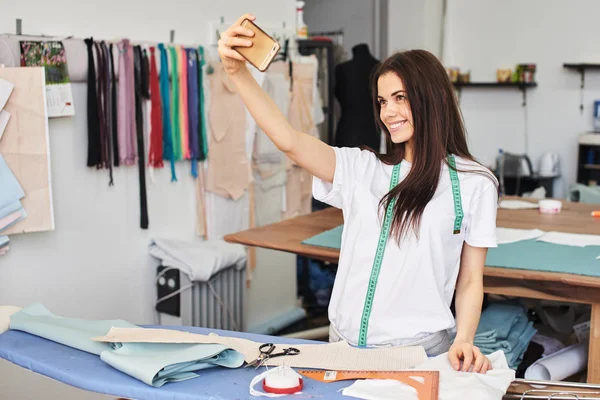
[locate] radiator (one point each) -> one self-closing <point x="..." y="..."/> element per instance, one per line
<point x="216" y="304"/>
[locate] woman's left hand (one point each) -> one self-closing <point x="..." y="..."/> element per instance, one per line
<point x="470" y="356"/>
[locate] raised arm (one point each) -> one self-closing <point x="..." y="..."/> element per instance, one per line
<point x="307" y="151"/>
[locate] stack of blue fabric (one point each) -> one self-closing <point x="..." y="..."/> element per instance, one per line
<point x="11" y="193"/>
<point x="505" y="327"/>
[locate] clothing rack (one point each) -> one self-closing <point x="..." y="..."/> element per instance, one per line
<point x="77" y="54"/>
<point x="308" y="47"/>
<point x="338" y="35"/>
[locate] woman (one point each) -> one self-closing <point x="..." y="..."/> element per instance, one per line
<point x="426" y="195"/>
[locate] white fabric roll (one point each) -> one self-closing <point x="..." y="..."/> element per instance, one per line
<point x="559" y="365"/>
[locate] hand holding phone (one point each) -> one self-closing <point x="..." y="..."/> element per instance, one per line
<point x="263" y="50"/>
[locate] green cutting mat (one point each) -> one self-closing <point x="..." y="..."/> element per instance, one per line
<point x="527" y="254"/>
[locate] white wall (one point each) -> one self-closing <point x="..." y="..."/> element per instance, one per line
<point x="95" y="264"/>
<point x="484" y="35"/>
<point x="414" y="25"/>
<point x="355" y="17"/>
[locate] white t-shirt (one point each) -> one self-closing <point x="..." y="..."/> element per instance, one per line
<point x="416" y="280"/>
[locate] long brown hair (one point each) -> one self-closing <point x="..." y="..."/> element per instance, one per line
<point x="438" y="131"/>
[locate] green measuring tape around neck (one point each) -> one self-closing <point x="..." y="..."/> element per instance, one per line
<point x="384" y="235"/>
<point x="458" y="210"/>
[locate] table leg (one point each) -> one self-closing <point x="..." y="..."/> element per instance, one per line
<point x="594" y="350"/>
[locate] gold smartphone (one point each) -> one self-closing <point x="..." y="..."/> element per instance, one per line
<point x="263" y="50"/>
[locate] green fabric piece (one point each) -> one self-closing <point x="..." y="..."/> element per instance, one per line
<point x="175" y="128"/>
<point x="526" y="255"/>
<point x="331" y="239"/>
<point x="585" y="194"/>
<point x="152" y="363"/>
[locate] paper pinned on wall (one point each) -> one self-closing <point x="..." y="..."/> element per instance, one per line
<point x="4" y="117"/>
<point x="6" y="89"/>
<point x="51" y="56"/>
<point x="25" y="147"/>
<point x="332" y="356"/>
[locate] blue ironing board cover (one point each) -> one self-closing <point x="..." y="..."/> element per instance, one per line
<point x="526" y="255"/>
<point x="86" y="371"/>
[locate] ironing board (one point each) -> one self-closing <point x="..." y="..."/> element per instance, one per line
<point x="86" y="371"/>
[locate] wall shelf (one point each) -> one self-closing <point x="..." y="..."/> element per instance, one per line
<point x="497" y="85"/>
<point x="581" y="67"/>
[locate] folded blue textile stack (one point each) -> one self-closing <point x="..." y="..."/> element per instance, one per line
<point x="505" y="327"/>
<point x="11" y="210"/>
<point x="152" y="363"/>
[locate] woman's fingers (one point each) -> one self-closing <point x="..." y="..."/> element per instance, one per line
<point x="232" y="41"/>
<point x="480" y="360"/>
<point x="229" y="53"/>
<point x="239" y="30"/>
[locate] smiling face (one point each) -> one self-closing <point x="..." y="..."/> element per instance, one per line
<point x="395" y="110"/>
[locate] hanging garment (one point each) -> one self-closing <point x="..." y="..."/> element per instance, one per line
<point x="202" y="131"/>
<point x="201" y="225"/>
<point x="193" y="125"/>
<point x="183" y="98"/>
<point x="166" y="109"/>
<point x="228" y="168"/>
<point x="175" y="104"/>
<point x="108" y="116"/>
<point x="298" y="192"/>
<point x="155" y="155"/>
<point x="94" y="157"/>
<point x="113" y="106"/>
<point x="269" y="195"/>
<point x="300" y="116"/>
<point x="277" y="85"/>
<point x="141" y="91"/>
<point x="357" y="125"/>
<point x="126" y="105"/>
<point x="100" y="92"/>
<point x="146" y="103"/>
<point x="301" y="110"/>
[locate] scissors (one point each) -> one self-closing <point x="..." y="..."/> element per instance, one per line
<point x="266" y="352"/>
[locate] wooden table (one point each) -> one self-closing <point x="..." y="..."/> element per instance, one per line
<point x="574" y="218"/>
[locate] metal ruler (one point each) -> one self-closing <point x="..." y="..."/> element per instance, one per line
<point x="426" y="383"/>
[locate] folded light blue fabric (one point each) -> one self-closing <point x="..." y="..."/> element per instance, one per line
<point x="499" y="318"/>
<point x="331" y="238"/>
<point x="72" y="332"/>
<point x="11" y="189"/>
<point x="159" y="363"/>
<point x="152" y="363"/>
<point x="504" y="327"/>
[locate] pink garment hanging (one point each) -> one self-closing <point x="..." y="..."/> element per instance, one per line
<point x="126" y="105"/>
<point x="183" y="108"/>
<point x="228" y="172"/>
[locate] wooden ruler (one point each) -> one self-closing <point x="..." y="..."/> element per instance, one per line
<point x="426" y="390"/>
